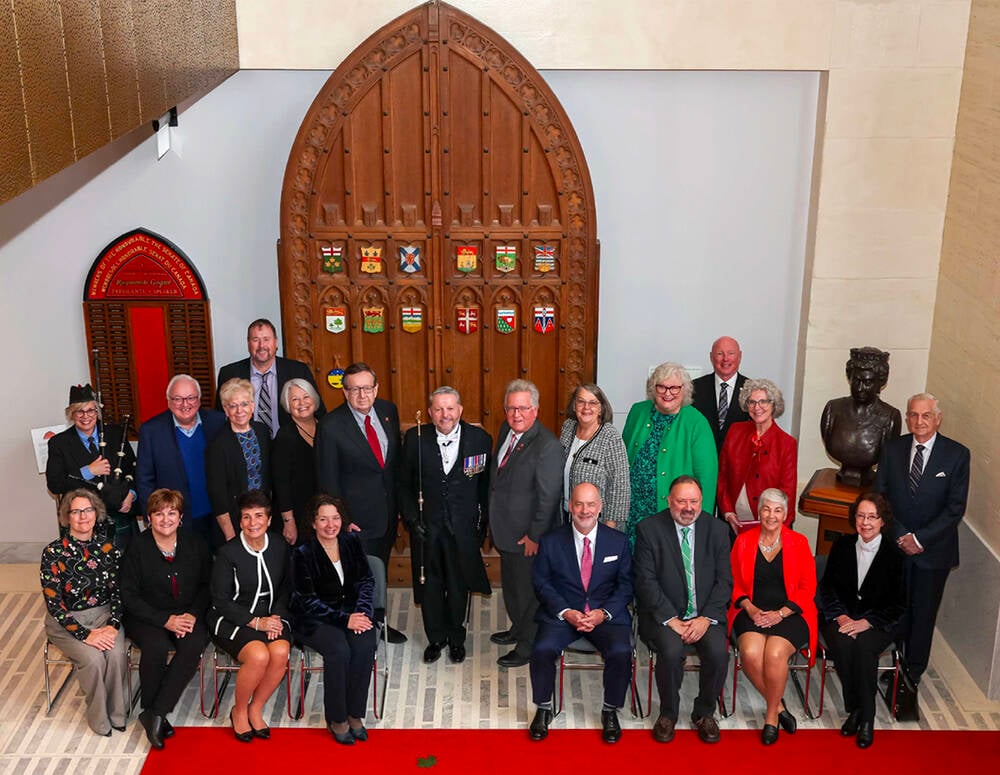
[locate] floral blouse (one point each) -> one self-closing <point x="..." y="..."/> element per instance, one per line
<point x="77" y="575"/>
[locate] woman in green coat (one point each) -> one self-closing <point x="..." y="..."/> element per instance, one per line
<point x="666" y="437"/>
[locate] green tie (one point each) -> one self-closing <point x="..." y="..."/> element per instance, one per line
<point x="688" y="571"/>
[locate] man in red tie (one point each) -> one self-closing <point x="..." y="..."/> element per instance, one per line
<point x="357" y="455"/>
<point x="583" y="581"/>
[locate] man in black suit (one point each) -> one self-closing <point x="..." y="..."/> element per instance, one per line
<point x="76" y="459"/>
<point x="357" y="454"/>
<point x="925" y="476"/>
<point x="172" y="452"/>
<point x="268" y="372"/>
<point x="721" y="405"/>
<point x="525" y="491"/>
<point x="583" y="581"/>
<point x="683" y="582"/>
<point x="447" y="466"/>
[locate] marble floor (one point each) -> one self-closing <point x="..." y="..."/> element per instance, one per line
<point x="475" y="694"/>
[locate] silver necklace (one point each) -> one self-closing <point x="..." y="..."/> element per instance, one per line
<point x="770" y="548"/>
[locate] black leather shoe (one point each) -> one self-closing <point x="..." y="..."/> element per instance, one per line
<point x="456" y="653"/>
<point x="787" y="720"/>
<point x="433" y="652"/>
<point x="168" y="729"/>
<point x="866" y="733"/>
<point x="539" y="728"/>
<point x="708" y="728"/>
<point x="850" y="725"/>
<point x="769" y="734"/>
<point x="393" y="635"/>
<point x="611" y="731"/>
<point x="512" y="659"/>
<point x="243" y="737"/>
<point x="261" y="734"/>
<point x="344" y="738"/>
<point x="117" y="728"/>
<point x="663" y="729"/>
<point x="154" y="728"/>
<point x="359" y="733"/>
<point x="503" y="638"/>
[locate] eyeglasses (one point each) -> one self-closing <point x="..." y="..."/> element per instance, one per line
<point x="751" y="403"/>
<point x="85" y="412"/>
<point x="673" y="390"/>
<point x="365" y="390"/>
<point x="584" y="403"/>
<point x="239" y="405"/>
<point x="867" y="517"/>
<point x="184" y="399"/>
<point x="87" y="512"/>
<point x="519" y="409"/>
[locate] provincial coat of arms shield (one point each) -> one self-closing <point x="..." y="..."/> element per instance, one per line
<point x="409" y="259"/>
<point x="545" y="319"/>
<point x="336" y="319"/>
<point x="332" y="256"/>
<point x="466" y="257"/>
<point x="413" y="319"/>
<point x="506" y="320"/>
<point x="467" y="319"/>
<point x="374" y="320"/>
<point x="506" y="258"/>
<point x="545" y="258"/>
<point x="371" y="260"/>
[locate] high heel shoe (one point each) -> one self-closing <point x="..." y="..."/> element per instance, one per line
<point x="262" y="734"/>
<point x="787" y="720"/>
<point x="243" y="737"/>
<point x="769" y="734"/>
<point x="344" y="738"/>
<point x="358" y="733"/>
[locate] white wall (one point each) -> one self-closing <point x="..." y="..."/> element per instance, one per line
<point x="701" y="178"/>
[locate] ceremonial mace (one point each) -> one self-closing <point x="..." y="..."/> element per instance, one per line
<point x="420" y="496"/>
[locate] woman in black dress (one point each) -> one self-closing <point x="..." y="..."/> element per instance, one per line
<point x="164" y="579"/>
<point x="249" y="617"/>
<point x="293" y="462"/>
<point x="332" y="596"/>
<point x="773" y="612"/>
<point x="238" y="459"/>
<point x="862" y="598"/>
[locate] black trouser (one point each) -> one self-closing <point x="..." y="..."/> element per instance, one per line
<point x="445" y="593"/>
<point x="519" y="598"/>
<point x="163" y="684"/>
<point x="614" y="641"/>
<point x="925" y="588"/>
<point x="857" y="665"/>
<point x="347" y="668"/>
<point x="671" y="652"/>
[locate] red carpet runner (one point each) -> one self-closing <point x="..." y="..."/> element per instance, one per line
<point x="470" y="752"/>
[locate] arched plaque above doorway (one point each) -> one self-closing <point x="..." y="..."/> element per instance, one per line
<point x="438" y="222"/>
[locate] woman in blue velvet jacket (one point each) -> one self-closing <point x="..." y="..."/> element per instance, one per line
<point x="332" y="594"/>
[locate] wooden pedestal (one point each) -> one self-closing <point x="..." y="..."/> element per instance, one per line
<point x="828" y="499"/>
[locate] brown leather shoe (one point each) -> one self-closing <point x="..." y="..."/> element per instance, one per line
<point x="663" y="729"/>
<point x="708" y="729"/>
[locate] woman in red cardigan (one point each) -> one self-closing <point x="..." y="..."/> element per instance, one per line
<point x="756" y="455"/>
<point x="774" y="611"/>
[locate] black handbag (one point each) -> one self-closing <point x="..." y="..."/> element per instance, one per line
<point x="903" y="705"/>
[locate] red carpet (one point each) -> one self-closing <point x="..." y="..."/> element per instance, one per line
<point x="441" y="752"/>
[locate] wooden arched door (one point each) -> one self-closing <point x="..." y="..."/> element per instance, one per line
<point x="438" y="222"/>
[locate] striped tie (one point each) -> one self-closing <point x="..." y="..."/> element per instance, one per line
<point x="688" y="571"/>
<point x="264" y="405"/>
<point x="917" y="468"/>
<point x="723" y="403"/>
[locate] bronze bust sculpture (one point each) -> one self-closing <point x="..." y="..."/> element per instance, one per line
<point x="855" y="427"/>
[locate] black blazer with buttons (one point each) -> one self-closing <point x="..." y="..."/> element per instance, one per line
<point x="706" y="401"/>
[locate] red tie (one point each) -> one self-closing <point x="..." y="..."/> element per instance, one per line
<point x="373" y="441"/>
<point x="510" y="450"/>
<point x="586" y="567"/>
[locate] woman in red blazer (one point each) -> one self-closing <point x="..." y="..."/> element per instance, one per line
<point x="774" y="611"/>
<point x="756" y="455"/>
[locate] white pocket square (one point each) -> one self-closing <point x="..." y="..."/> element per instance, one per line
<point x="940" y="475"/>
<point x="612" y="558"/>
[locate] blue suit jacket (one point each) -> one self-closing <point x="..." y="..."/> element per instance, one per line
<point x="556" y="575"/>
<point x="933" y="512"/>
<point x="159" y="460"/>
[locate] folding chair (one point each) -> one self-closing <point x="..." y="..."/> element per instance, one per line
<point x="795" y="666"/>
<point x="827" y="663"/>
<point x="582" y="654"/>
<point x="307" y="654"/>
<point x="223" y="663"/>
<point x="689" y="667"/>
<point x="48" y="660"/>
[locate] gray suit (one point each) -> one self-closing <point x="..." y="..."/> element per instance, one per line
<point x="525" y="500"/>
<point x="661" y="589"/>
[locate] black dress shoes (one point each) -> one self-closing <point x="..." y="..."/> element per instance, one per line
<point x="154" y="728"/>
<point x="708" y="728"/>
<point x="866" y="733"/>
<point x="539" y="728"/>
<point x="344" y="738"/>
<point x="611" y="731"/>
<point x="261" y="734"/>
<point x="243" y="737"/>
<point x="787" y="720"/>
<point x="512" y="659"/>
<point x="433" y="652"/>
<point x="503" y="638"/>
<point x="769" y="734"/>
<point x="456" y="653"/>
<point x="359" y="733"/>
<point x="663" y="729"/>
<point x="393" y="635"/>
<point x="850" y="725"/>
<point x="168" y="729"/>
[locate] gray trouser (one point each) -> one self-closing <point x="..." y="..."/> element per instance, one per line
<point x="101" y="673"/>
